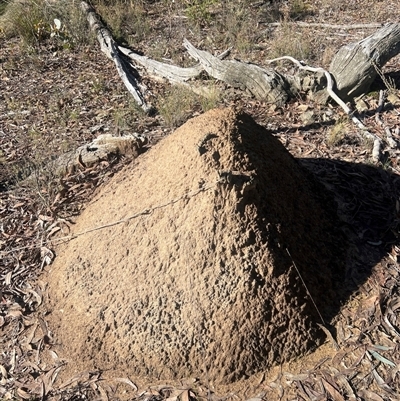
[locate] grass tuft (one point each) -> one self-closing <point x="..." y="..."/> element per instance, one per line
<point x="177" y="105"/>
<point x="36" y="22"/>
<point x="337" y="132"/>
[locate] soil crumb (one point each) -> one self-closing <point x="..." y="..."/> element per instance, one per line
<point x="200" y="260"/>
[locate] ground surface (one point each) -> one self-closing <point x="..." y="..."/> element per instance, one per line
<point x="52" y="101"/>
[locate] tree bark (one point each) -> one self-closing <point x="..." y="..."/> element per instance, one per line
<point x="356" y="65"/>
<point x="266" y="84"/>
<point x="110" y="48"/>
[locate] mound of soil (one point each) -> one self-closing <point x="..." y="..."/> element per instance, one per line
<point x="190" y="273"/>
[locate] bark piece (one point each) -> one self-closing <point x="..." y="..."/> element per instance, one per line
<point x="103" y="148"/>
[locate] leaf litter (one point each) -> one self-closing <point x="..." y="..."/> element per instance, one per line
<point x="366" y="365"/>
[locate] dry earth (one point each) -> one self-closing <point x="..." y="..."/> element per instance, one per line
<point x="200" y="283"/>
<point x="68" y="97"/>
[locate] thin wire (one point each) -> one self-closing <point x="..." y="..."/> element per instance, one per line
<point x="144" y="212"/>
<point x="308" y="292"/>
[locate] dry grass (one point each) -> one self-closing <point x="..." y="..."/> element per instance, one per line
<point x="36" y="22"/>
<point x="287" y="42"/>
<point x="177" y="105"/>
<point x="338" y="132"/>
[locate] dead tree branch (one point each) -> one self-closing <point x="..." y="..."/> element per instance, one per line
<point x="376" y="153"/>
<point x="172" y="73"/>
<point x="110" y="48"/>
<point x="264" y="84"/>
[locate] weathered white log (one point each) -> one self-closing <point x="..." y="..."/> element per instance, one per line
<point x="104" y="148"/>
<point x="354" y="67"/>
<point x="109" y="47"/>
<point x="267" y="85"/>
<point x="264" y="84"/>
<point x="172" y="73"/>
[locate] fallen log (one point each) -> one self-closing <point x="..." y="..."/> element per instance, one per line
<point x="110" y="49"/>
<point x="103" y="148"/>
<point x="266" y="84"/>
<point x="377" y="142"/>
<point x="352" y="71"/>
<point x="356" y="65"/>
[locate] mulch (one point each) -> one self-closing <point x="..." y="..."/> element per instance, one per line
<point x="64" y="102"/>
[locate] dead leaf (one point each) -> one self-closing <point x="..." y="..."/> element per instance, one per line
<point x="382" y="359"/>
<point x="127" y="381"/>
<point x="7" y="278"/>
<point x="370" y="396"/>
<point x="14" y="313"/>
<point x="4" y="375"/>
<point x="47" y="256"/>
<point x="291" y="377"/>
<point x="332" y="391"/>
<point x="381" y="383"/>
<point x="103" y="394"/>
<point x="185" y="396"/>
<point x="23" y="394"/>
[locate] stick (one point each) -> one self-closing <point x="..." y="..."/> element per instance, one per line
<point x="328" y="26"/>
<point x="376" y="154"/>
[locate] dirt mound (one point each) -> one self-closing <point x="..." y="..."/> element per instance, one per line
<point x="197" y="279"/>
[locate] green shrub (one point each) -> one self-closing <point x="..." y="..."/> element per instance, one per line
<point x="199" y="11"/>
<point x="38" y="21"/>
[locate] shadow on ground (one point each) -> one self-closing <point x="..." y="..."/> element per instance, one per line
<point x="368" y="208"/>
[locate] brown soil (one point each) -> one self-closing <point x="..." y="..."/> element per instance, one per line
<point x="195" y="276"/>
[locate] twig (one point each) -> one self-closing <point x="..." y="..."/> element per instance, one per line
<point x="376" y="154"/>
<point x="389" y="137"/>
<point x="381" y="102"/>
<point x="328" y="26"/>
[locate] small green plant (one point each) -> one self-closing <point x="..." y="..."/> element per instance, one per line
<point x="177" y="105"/>
<point x="3" y="5"/>
<point x="98" y="85"/>
<point x="199" y="11"/>
<point x="74" y="115"/>
<point x="299" y="9"/>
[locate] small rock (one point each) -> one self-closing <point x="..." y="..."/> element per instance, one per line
<point x="308" y="117"/>
<point x="362" y="106"/>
